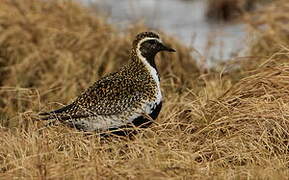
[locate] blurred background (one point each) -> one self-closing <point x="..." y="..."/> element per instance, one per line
<point x="213" y="27"/>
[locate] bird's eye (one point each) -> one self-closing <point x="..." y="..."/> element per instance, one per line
<point x="153" y="42"/>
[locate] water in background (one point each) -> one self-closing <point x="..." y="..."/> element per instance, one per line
<point x="183" y="19"/>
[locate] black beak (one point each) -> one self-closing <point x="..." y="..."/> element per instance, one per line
<point x="165" y="48"/>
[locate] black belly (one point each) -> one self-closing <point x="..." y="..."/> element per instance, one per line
<point x="141" y="122"/>
<point x="145" y="122"/>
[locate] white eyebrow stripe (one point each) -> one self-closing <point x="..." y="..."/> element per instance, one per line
<point x="146" y="39"/>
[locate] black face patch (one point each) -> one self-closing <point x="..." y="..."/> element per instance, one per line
<point x="150" y="48"/>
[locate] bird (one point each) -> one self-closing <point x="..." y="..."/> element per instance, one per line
<point x="130" y="97"/>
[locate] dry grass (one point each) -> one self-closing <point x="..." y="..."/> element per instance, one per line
<point x="268" y="40"/>
<point x="270" y="25"/>
<point x="206" y="130"/>
<point x="57" y="49"/>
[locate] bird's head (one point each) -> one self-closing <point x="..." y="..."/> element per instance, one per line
<point x="148" y="44"/>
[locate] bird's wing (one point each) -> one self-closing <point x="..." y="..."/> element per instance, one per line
<point x="110" y="95"/>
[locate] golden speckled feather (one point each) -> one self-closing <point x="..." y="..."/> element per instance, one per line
<point x="119" y="98"/>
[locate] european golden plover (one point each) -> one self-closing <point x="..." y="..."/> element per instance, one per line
<point x="127" y="98"/>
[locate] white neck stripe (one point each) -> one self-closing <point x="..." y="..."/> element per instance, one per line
<point x="152" y="70"/>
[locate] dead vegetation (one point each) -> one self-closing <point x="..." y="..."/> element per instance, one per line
<point x="270" y="25"/>
<point x="58" y="49"/>
<point x="207" y="129"/>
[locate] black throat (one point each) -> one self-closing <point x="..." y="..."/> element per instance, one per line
<point x="149" y="53"/>
<point x="151" y="60"/>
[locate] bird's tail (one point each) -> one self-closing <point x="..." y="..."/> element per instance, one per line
<point x="53" y="114"/>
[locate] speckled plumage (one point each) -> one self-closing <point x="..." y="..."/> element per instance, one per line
<point x="120" y="98"/>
